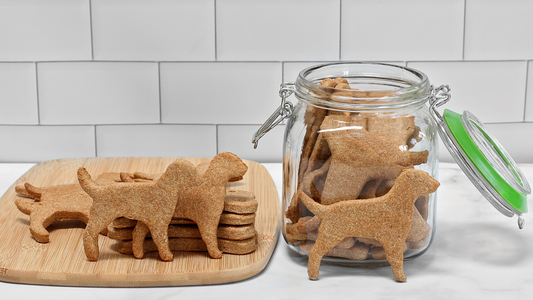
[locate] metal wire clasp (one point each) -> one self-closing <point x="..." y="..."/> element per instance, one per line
<point x="282" y="112"/>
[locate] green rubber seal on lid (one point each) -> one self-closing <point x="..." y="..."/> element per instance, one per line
<point x="514" y="198"/>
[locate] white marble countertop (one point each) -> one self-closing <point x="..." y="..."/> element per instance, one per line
<point x="477" y="254"/>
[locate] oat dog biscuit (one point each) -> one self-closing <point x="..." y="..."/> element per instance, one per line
<point x="298" y="231"/>
<point x="386" y="219"/>
<point x="46" y="205"/>
<point x="229" y="232"/>
<point x="401" y="132"/>
<point x="239" y="209"/>
<point x="153" y="203"/>
<point x="202" y="202"/>
<point x="226" y="218"/>
<point x="240" y="202"/>
<point x="313" y="119"/>
<point x="358" y="157"/>
<point x="202" y="168"/>
<point x="196" y="244"/>
<point x="358" y="251"/>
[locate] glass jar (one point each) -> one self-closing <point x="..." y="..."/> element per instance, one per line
<point x="361" y="161"/>
<point x="354" y="130"/>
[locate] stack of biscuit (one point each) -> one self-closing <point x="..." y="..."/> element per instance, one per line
<point x="236" y="231"/>
<point x="226" y="216"/>
<point x="354" y="155"/>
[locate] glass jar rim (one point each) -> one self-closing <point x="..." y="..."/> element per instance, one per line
<point x="410" y="86"/>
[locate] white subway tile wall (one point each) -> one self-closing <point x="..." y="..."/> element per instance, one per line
<point x="98" y="92"/>
<point x="36" y="30"/>
<point x="219" y="92"/>
<point x="41" y="143"/>
<point x="402" y="30"/>
<point x="156" y="140"/>
<point x="498" y="30"/>
<point x="153" y="30"/>
<point x="84" y="78"/>
<point x="18" y="94"/>
<point x="277" y="30"/>
<point x="494" y="91"/>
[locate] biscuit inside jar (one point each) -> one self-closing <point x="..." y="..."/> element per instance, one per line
<point x="350" y="155"/>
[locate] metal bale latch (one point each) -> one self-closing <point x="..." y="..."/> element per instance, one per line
<point x="282" y="112"/>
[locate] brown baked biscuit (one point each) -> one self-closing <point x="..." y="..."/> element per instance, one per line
<point x="202" y="203"/>
<point x="358" y="251"/>
<point x="153" y="203"/>
<point x="121" y="223"/>
<point x="312" y="181"/>
<point x="240" y="202"/>
<point x="370" y="188"/>
<point x="387" y="219"/>
<point x="226" y="219"/>
<point x="314" y="150"/>
<point x="298" y="231"/>
<point x="313" y="119"/>
<point x="378" y="253"/>
<point x="416" y="137"/>
<point x="202" y="168"/>
<point x="229" y="232"/>
<point x="46" y="205"/>
<point x="196" y="244"/>
<point x="237" y="219"/>
<point x="346" y="243"/>
<point x="70" y="203"/>
<point x="358" y="157"/>
<point x="422" y="204"/>
<point x="397" y="130"/>
<point x="418" y="233"/>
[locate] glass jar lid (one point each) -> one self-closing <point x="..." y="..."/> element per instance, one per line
<point x="482" y="158"/>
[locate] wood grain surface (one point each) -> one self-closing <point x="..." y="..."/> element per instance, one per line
<point x="63" y="262"/>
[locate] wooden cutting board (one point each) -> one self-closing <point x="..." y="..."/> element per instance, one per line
<point x="63" y="261"/>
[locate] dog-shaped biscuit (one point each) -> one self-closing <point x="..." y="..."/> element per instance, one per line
<point x="386" y="219"/>
<point x="153" y="203"/>
<point x="202" y="203"/>
<point x="45" y="205"/>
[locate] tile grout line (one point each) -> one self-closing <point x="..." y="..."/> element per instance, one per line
<point x="216" y="138"/>
<point x="37" y="95"/>
<point x="215" y="28"/>
<point x="252" y="61"/>
<point x="92" y="60"/>
<point x="91" y="28"/>
<point x="340" y="29"/>
<point x="95" y="142"/>
<point x="464" y="31"/>
<point x="525" y="93"/>
<point x="159" y="87"/>
<point x="282" y="71"/>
